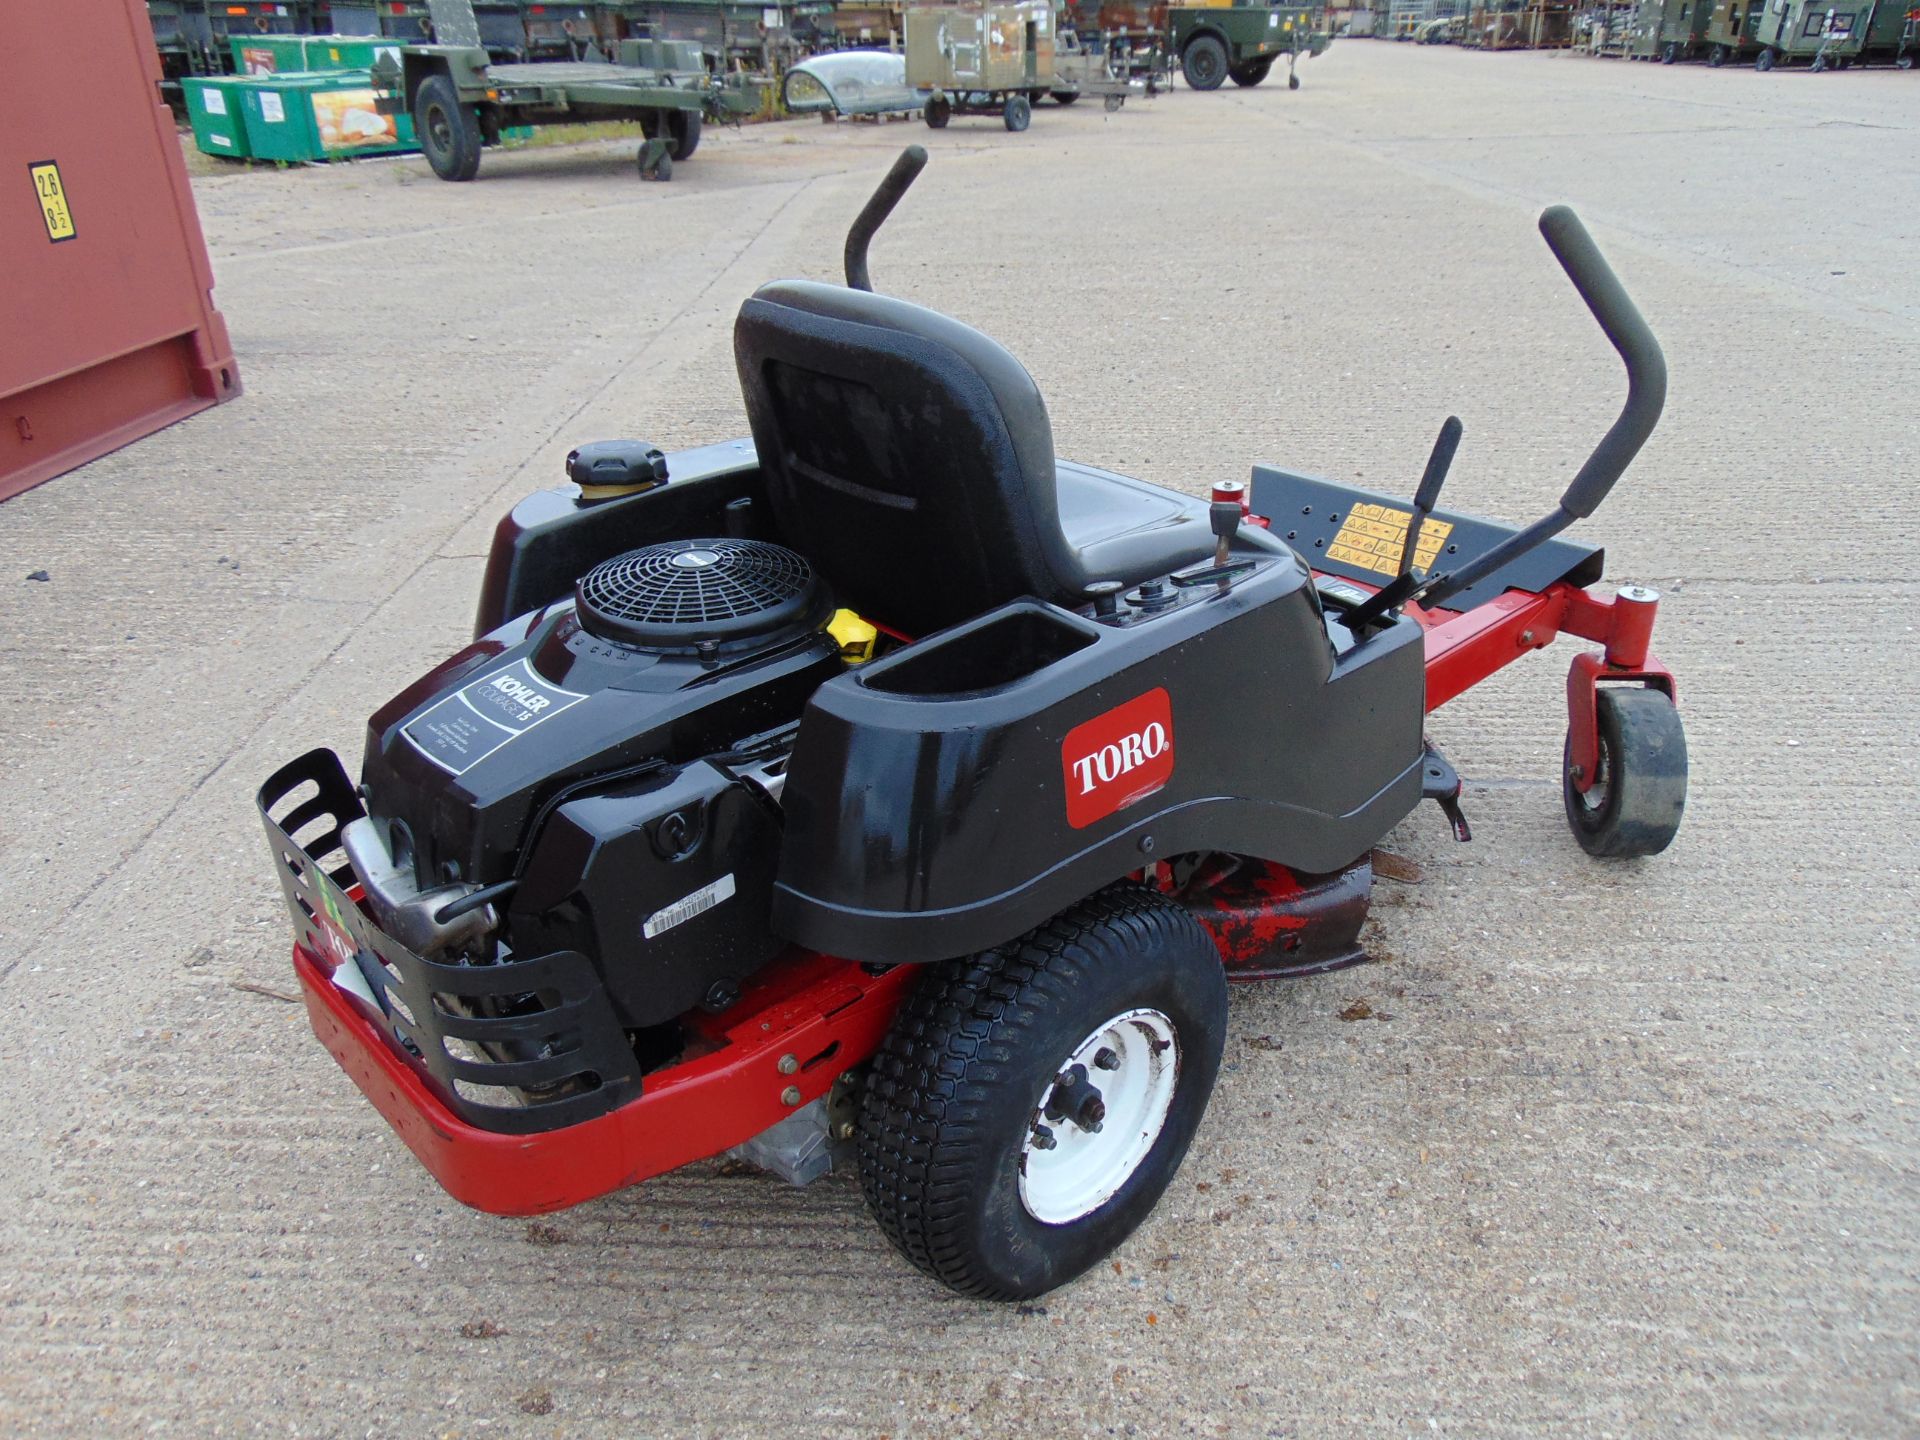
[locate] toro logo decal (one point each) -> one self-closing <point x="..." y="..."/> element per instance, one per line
<point x="1118" y="758"/>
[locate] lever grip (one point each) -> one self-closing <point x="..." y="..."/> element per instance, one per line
<point x="1607" y="298"/>
<point x="874" y="213"/>
<point x="1438" y="463"/>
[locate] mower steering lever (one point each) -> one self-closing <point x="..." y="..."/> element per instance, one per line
<point x="874" y="214"/>
<point x="1646" y="366"/>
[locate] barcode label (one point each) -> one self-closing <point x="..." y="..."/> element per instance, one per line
<point x="681" y="911"/>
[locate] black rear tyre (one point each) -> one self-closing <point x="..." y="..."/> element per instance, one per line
<point x="1205" y="63"/>
<point x="950" y="1114"/>
<point x="1640" y="791"/>
<point x="939" y="110"/>
<point x="449" y="132"/>
<point x="1017" y="113"/>
<point x="1252" y="73"/>
<point x="1065" y="97"/>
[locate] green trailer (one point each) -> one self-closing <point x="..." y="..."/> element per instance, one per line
<point x="1642" y="40"/>
<point x="1733" y="30"/>
<point x="1241" y="41"/>
<point x="461" y="102"/>
<point x="214" y="111"/>
<point x="1680" y="29"/>
<point x="1815" y="33"/>
<point x="1892" y="34"/>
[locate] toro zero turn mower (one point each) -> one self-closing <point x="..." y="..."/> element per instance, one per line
<point x="884" y="785"/>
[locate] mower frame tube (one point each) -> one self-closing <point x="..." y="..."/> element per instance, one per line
<point x="1464" y="649"/>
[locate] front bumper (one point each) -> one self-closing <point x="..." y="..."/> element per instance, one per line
<point x="402" y="1027"/>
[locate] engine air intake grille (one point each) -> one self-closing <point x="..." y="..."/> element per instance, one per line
<point x="685" y="591"/>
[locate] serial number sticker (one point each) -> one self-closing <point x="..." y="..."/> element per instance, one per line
<point x="681" y="911"/>
<point x="52" y="196"/>
<point x="1372" y="537"/>
<point x="477" y="719"/>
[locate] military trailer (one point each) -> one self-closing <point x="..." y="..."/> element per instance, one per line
<point x="1891" y="34"/>
<point x="183" y="34"/>
<point x="1240" y="41"/>
<point x="979" y="57"/>
<point x="1733" y="30"/>
<point x="461" y="102"/>
<point x="1811" y="32"/>
<point x="1679" y="29"/>
<point x="503" y="30"/>
<point x="1091" y="70"/>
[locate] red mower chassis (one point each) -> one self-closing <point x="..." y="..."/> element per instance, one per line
<point x="811" y="1017"/>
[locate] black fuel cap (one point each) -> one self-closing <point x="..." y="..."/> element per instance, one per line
<point x="617" y="464"/>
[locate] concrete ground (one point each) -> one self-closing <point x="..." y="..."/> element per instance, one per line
<point x="1625" y="1149"/>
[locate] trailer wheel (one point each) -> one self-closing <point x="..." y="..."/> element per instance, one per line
<point x="1031" y="1103"/>
<point x="1017" y="113"/>
<point x="1717" y="57"/>
<point x="1763" y="62"/>
<point x="449" y="132"/>
<point x="1204" y="63"/>
<point x="1639" y="791"/>
<point x="685" y="126"/>
<point x="1114" y="102"/>
<point x="1251" y="73"/>
<point x="1669" y="55"/>
<point x="939" y="110"/>
<point x="1065" y="97"/>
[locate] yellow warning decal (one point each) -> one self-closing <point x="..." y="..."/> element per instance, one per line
<point x="53" y="200"/>
<point x="1372" y="537"/>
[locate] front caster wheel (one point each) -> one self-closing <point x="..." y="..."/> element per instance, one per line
<point x="1031" y="1103"/>
<point x="938" y="111"/>
<point x="1639" y="789"/>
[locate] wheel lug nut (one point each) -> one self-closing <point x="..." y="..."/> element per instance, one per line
<point x="1106" y="1059"/>
<point x="1043" y="1138"/>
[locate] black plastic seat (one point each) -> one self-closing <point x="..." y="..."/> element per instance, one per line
<point x="910" y="458"/>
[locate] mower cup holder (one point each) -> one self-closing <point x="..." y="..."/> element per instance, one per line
<point x="993" y="653"/>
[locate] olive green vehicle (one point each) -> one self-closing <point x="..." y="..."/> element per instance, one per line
<point x="1241" y="41"/>
<point x="461" y="103"/>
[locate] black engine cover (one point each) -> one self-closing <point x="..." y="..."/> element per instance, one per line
<point x="674" y="874"/>
<point x="545" y="754"/>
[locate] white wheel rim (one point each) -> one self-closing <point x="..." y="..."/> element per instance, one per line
<point x="1086" y="1168"/>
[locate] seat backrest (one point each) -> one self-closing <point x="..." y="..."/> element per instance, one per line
<point x="906" y="455"/>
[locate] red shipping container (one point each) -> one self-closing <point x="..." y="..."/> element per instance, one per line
<point x="107" y="325"/>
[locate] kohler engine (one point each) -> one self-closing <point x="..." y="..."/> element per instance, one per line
<point x="602" y="775"/>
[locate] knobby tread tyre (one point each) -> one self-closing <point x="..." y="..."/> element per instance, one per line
<point x="946" y="1106"/>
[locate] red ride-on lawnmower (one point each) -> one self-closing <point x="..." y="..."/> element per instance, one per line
<point x="885" y="785"/>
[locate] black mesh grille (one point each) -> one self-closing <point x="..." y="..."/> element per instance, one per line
<point x="686" y="591"/>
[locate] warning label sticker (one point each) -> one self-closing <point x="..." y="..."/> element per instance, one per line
<point x="53" y="200"/>
<point x="467" y="726"/>
<point x="1372" y="537"/>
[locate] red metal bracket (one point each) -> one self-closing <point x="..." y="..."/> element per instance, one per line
<point x="827" y="1014"/>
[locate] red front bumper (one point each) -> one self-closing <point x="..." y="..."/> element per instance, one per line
<point x="827" y="1014"/>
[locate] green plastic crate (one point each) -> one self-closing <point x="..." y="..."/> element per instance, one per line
<point x="268" y="54"/>
<point x="215" y="108"/>
<point x="348" y="52"/>
<point x="329" y="116"/>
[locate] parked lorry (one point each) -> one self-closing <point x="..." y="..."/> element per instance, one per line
<point x="1240" y="41"/>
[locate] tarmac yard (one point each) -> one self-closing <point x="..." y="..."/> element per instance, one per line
<point x="1589" y="1149"/>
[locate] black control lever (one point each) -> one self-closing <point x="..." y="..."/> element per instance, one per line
<point x="1393" y="594"/>
<point x="1438" y="463"/>
<point x="874" y="214"/>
